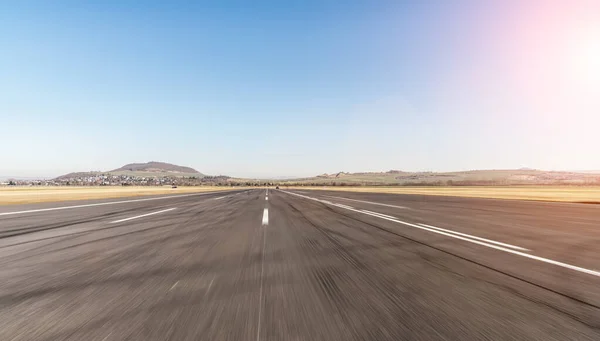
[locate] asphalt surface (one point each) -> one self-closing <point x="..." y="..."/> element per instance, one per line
<point x="302" y="265"/>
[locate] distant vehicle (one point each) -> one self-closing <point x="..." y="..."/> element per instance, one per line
<point x="174" y="186"/>
<point x="277" y="187"/>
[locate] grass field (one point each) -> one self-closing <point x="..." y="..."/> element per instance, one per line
<point x="25" y="195"/>
<point x="587" y="194"/>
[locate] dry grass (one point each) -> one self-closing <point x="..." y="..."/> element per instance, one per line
<point x="590" y="194"/>
<point x="26" y="195"/>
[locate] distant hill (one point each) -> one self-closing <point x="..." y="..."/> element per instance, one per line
<point x="155" y="167"/>
<point x="524" y="176"/>
<point x="148" y="169"/>
<point x="490" y="177"/>
<point x="77" y="175"/>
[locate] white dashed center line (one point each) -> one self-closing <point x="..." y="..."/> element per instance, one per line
<point x="265" y="220"/>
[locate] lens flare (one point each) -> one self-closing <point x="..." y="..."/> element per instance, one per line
<point x="586" y="57"/>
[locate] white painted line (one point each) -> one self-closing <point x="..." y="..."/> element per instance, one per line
<point x="514" y="252"/>
<point x="143" y="215"/>
<point x="174" y="285"/>
<point x="474" y="237"/>
<point x="260" y="296"/>
<point x="219" y="198"/>
<point x="267" y="198"/>
<point x="366" y="202"/>
<point x="265" y="220"/>
<point x="342" y="206"/>
<point x="210" y="286"/>
<point x="380" y="214"/>
<point x="103" y="204"/>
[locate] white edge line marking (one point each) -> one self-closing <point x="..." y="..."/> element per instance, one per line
<point x="219" y="198"/>
<point x="381" y="214"/>
<point x="366" y="202"/>
<point x="265" y="219"/>
<point x="143" y="215"/>
<point x="454" y="232"/>
<point x="478" y="238"/>
<point x="343" y="206"/>
<point x="104" y="203"/>
<point x="209" y="286"/>
<point x="514" y="252"/>
<point x="174" y="285"/>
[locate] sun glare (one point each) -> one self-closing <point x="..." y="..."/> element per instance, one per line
<point x="586" y="57"/>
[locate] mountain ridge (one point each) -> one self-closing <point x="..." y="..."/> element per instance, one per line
<point x="146" y="169"/>
<point x="155" y="166"/>
<point x="523" y="176"/>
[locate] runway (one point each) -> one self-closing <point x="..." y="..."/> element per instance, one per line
<point x="265" y="264"/>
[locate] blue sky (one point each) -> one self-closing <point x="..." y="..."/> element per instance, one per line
<point x="298" y="88"/>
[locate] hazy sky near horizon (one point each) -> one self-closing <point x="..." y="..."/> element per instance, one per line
<point x="298" y="88"/>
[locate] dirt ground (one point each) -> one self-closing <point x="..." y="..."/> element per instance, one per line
<point x="27" y="194"/>
<point x="587" y="194"/>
